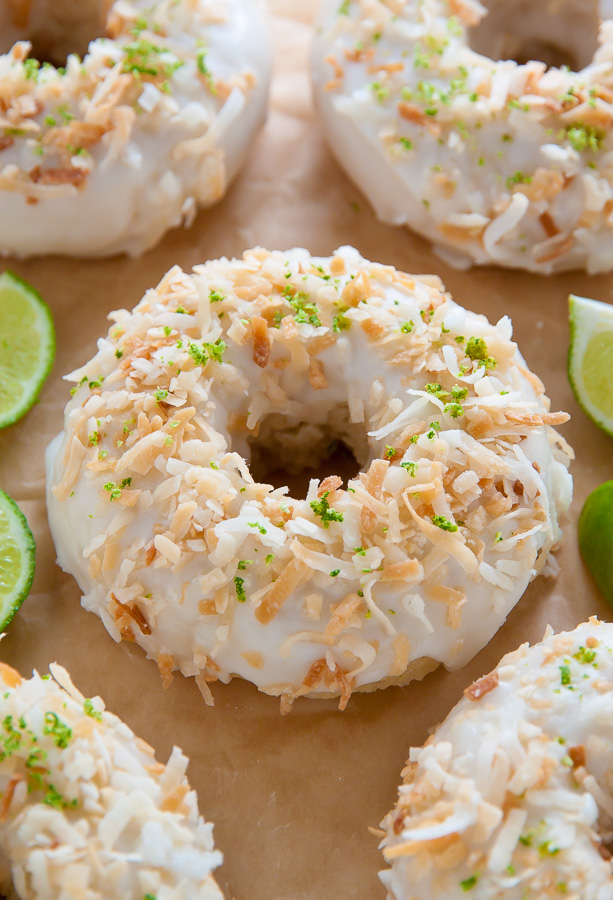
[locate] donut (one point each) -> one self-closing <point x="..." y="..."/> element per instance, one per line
<point x="494" y="162"/>
<point x="511" y="797"/>
<point x="86" y="811"/>
<point x="418" y="560"/>
<point x="106" y="154"/>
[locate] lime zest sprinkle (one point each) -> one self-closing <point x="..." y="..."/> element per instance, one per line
<point x="325" y="512"/>
<point x="565" y="678"/>
<point x="88" y="709"/>
<point x="444" y="523"/>
<point x="241" y="596"/>
<point x="61" y="733"/>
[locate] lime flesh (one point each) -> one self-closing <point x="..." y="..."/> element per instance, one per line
<point x="597" y="371"/>
<point x="590" y="359"/>
<point x="27" y="347"/>
<point x="17" y="550"/>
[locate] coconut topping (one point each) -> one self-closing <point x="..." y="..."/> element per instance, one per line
<point x="512" y="797"/>
<point x="105" y="154"/>
<point x="494" y="162"/>
<point x="85" y="809"/>
<point x="420" y="556"/>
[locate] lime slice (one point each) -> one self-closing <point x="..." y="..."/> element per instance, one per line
<point x="590" y="359"/>
<point x="16" y="559"/>
<point x="596" y="537"/>
<point x="27" y="347"/>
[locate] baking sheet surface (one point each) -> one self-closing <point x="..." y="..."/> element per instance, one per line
<point x="291" y="797"/>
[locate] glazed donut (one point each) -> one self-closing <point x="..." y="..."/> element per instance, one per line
<point x="154" y="510"/>
<point x="494" y="162"/>
<point x="106" y="155"/>
<point x="511" y="797"/>
<point x="86" y="811"/>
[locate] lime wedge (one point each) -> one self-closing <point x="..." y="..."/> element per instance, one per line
<point x="27" y="347"/>
<point x="16" y="559"/>
<point x="596" y="537"/>
<point x="590" y="359"/>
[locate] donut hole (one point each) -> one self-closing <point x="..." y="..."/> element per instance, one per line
<point x="290" y="453"/>
<point x="556" y="32"/>
<point x="60" y="29"/>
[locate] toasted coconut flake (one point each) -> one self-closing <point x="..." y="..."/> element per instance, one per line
<point x="558" y="249"/>
<point x="167" y="548"/>
<point x="261" y="341"/>
<point x="293" y="575"/>
<point x="368" y="520"/>
<point x="317" y="376"/>
<point x="356" y="290"/>
<point x="482" y="687"/>
<point x="549" y="226"/>
<point x="61" y="175"/>
<point x="336" y="66"/>
<point x="286" y="701"/>
<point x="10" y="676"/>
<point x="7" y="798"/>
<point x="411" y="113"/>
<point x="343" y="613"/>
<point x="534" y="421"/>
<point x="254" y="658"/>
<point x="75" y="457"/>
<point x="376" y="477"/>
<point x="203" y="687"/>
<point x="402" y="653"/>
<point x="343" y="685"/>
<point x="329" y="485"/>
<point x="469" y="11"/>
<point x="409" y="570"/>
<point x="577" y="754"/>
<point x="166" y="665"/>
<point x="454" y="600"/>
<point x="315" y="673"/>
<point x="134" y="613"/>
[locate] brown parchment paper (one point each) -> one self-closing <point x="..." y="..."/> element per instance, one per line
<point x="291" y="797"/>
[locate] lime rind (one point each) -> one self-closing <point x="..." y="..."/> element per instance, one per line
<point x="596" y="537"/>
<point x="588" y="319"/>
<point x="46" y="351"/>
<point x="16" y="544"/>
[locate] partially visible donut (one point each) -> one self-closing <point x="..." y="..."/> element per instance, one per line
<point x="494" y="162"/>
<point x="85" y="809"/>
<point x="107" y="155"/>
<point x="512" y="797"/>
<point x="418" y="560"/>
